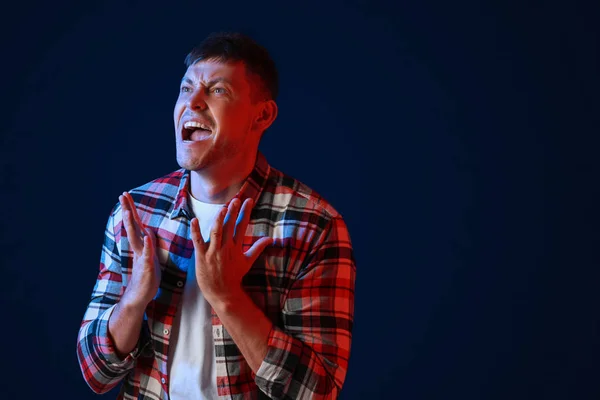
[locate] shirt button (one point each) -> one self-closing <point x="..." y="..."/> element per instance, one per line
<point x="166" y="331"/>
<point x="179" y="283"/>
<point x="163" y="380"/>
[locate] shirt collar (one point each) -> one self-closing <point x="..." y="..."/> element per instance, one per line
<point x="251" y="188"/>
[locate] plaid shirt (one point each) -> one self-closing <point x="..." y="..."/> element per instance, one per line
<point x="304" y="283"/>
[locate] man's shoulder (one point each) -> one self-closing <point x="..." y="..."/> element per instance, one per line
<point x="286" y="191"/>
<point x="156" y="196"/>
<point x="168" y="184"/>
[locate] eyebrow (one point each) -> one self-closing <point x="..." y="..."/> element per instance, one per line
<point x="209" y="83"/>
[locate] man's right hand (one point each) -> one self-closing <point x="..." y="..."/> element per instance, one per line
<point x="146" y="272"/>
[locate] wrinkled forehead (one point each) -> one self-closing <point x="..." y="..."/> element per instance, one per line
<point x="210" y="70"/>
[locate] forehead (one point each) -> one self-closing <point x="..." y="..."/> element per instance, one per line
<point x="210" y="70"/>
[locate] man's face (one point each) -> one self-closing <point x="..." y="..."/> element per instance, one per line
<point x="213" y="115"/>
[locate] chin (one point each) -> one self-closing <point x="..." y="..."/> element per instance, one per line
<point x="189" y="164"/>
<point x="193" y="162"/>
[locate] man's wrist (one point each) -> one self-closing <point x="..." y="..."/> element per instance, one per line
<point x="229" y="302"/>
<point x="131" y="304"/>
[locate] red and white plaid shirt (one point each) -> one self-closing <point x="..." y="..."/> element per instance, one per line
<point x="304" y="283"/>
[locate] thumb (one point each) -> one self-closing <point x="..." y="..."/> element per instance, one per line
<point x="149" y="242"/>
<point x="257" y="248"/>
<point x="197" y="240"/>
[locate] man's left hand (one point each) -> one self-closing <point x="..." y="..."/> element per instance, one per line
<point x="221" y="263"/>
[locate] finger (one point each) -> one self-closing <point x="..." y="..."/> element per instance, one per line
<point x="242" y="221"/>
<point x="132" y="234"/>
<point x="150" y="234"/>
<point x="197" y="240"/>
<point x="148" y="252"/>
<point x="153" y="244"/>
<point x="128" y="204"/>
<point x="216" y="233"/>
<point x="257" y="248"/>
<point x="136" y="216"/>
<point x="232" y="213"/>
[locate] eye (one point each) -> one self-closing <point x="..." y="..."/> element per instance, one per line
<point x="219" y="90"/>
<point x="185" y="89"/>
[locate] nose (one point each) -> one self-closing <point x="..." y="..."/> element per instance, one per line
<point x="196" y="101"/>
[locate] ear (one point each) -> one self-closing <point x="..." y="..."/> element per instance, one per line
<point x="265" y="115"/>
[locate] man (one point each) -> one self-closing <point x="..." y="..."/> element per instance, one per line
<point x="226" y="278"/>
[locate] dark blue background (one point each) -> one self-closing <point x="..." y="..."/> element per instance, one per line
<point x="458" y="139"/>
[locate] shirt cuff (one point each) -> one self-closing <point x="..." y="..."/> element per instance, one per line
<point x="276" y="370"/>
<point x="106" y="348"/>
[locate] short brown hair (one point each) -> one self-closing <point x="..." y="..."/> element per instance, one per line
<point x="234" y="46"/>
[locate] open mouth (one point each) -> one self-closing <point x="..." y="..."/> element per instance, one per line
<point x="195" y="131"/>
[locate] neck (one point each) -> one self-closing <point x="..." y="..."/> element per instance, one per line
<point x="219" y="183"/>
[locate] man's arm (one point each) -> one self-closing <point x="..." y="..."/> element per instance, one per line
<point x="100" y="365"/>
<point x="248" y="326"/>
<point x="124" y="327"/>
<point x="126" y="319"/>
<point x="308" y="359"/>
<point x="110" y="337"/>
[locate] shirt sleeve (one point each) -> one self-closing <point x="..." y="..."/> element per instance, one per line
<point x="308" y="358"/>
<point x="100" y="365"/>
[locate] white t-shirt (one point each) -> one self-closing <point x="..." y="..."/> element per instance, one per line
<point x="192" y="366"/>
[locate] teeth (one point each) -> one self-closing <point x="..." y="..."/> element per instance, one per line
<point x="195" y="124"/>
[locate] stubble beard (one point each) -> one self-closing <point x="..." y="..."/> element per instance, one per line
<point x="194" y="161"/>
<point x="207" y="158"/>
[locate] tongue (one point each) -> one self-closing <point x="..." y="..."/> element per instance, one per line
<point x="200" y="134"/>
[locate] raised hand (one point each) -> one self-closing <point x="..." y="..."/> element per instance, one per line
<point x="221" y="263"/>
<point x="146" y="272"/>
